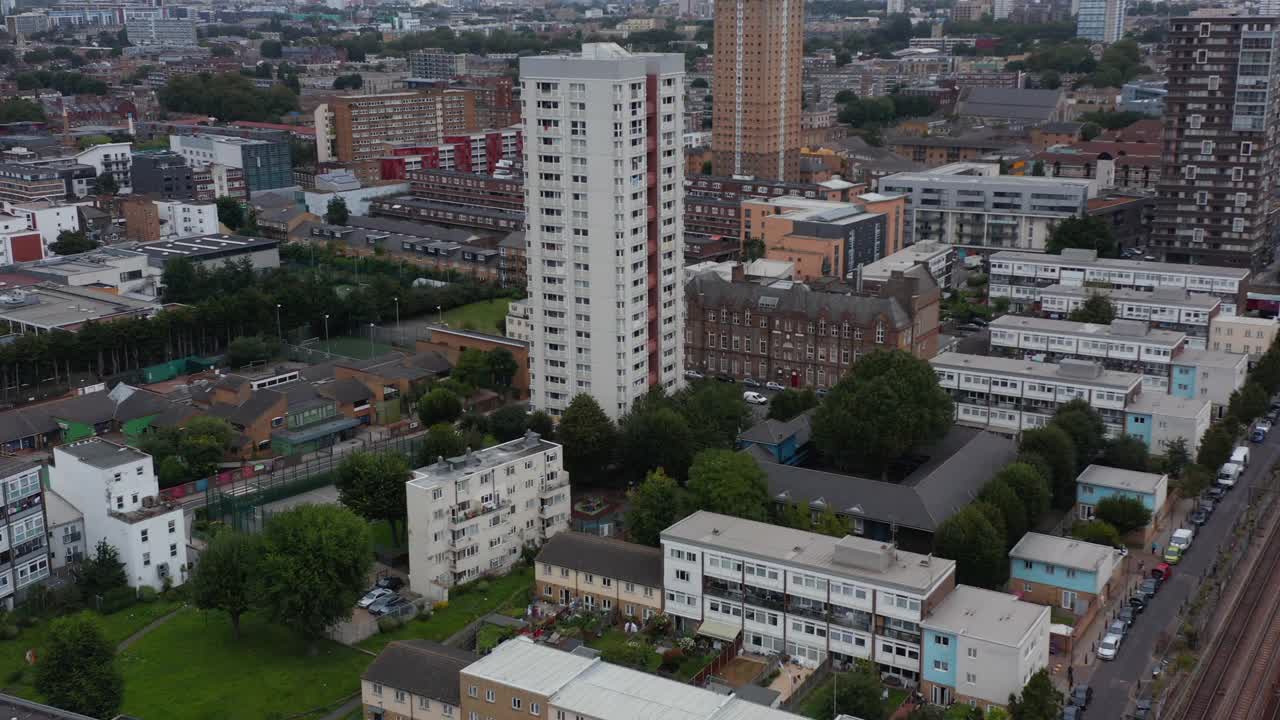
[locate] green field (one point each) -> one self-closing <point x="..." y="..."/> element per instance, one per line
<point x="352" y="347"/>
<point x="191" y="668"/>
<point x="483" y="316"/>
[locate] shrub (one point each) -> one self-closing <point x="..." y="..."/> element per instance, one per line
<point x="117" y="599"/>
<point x="671" y="659"/>
<point x="16" y="676"/>
<point x="388" y="624"/>
<point x="147" y="594"/>
<point x="482" y="586"/>
<point x="9" y="632"/>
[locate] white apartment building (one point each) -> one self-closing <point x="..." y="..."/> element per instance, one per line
<point x="1242" y="334"/>
<point x="518" y="314"/>
<point x="1020" y="276"/>
<point x="47" y="218"/>
<point x="604" y="174"/>
<point x="939" y="257"/>
<point x="183" y="219"/>
<point x="1129" y="345"/>
<point x="24" y="554"/>
<point x="801" y="593"/>
<point x="472" y="515"/>
<point x="971" y="205"/>
<point x="1166" y="309"/>
<point x="115" y="488"/>
<point x="66" y="532"/>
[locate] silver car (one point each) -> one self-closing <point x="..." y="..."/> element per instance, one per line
<point x="373" y="596"/>
<point x="1109" y="647"/>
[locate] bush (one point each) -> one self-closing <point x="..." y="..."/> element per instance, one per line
<point x="482" y="586"/>
<point x="672" y="658"/>
<point x="117" y="599"/>
<point x="1125" y="514"/>
<point x="147" y="594"/>
<point x="389" y="624"/>
<point x="9" y="632"/>
<point x="16" y="676"/>
<point x="1097" y="531"/>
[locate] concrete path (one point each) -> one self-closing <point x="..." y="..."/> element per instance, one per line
<point x="344" y="709"/>
<point x="124" y="644"/>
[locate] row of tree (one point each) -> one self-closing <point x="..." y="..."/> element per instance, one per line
<point x="226" y="96"/>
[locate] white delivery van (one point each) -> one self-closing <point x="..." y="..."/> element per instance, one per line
<point x="1182" y="538"/>
<point x="1228" y="474"/>
<point x="1240" y="456"/>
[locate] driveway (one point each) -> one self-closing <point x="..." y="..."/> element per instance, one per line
<point x="1115" y="683"/>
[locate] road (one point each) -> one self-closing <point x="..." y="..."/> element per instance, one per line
<point x="1115" y="683"/>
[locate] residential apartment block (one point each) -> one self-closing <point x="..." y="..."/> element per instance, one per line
<point x="824" y="238"/>
<point x="170" y="32"/>
<point x="1214" y="203"/>
<point x="186" y="219"/>
<point x="1020" y="276"/>
<point x="600" y="573"/>
<point x="24" y="554"/>
<point x="1099" y="482"/>
<point x="453" y="187"/>
<point x="801" y="337"/>
<point x="25" y="183"/>
<point x="437" y="64"/>
<point x="115" y="488"/>
<point x="490" y="152"/>
<point x="1251" y="336"/>
<point x="604" y="159"/>
<point x="414" y="680"/>
<point x="264" y="165"/>
<point x="1064" y="572"/>
<point x="1101" y="20"/>
<point x="472" y="515"/>
<point x="972" y="206"/>
<point x="164" y="173"/>
<point x="981" y="647"/>
<point x="1165" y="309"/>
<point x="364" y="127"/>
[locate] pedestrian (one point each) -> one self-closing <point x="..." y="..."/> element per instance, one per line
<point x="1071" y="676"/>
<point x="1155" y="549"/>
<point x="1141" y="564"/>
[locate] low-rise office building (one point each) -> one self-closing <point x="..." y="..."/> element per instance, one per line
<point x="180" y="219"/>
<point x="472" y="515"/>
<point x="823" y="238"/>
<point x="600" y="573"/>
<point x="265" y="165"/>
<point x="1064" y="572"/>
<point x="213" y="250"/>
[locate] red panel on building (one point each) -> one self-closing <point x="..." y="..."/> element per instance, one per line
<point x="26" y="247"/>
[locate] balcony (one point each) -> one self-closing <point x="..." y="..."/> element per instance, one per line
<point x="722" y="589"/>
<point x="765" y="599"/>
<point x="852" y="619"/>
<point x="814" y="612"/>
<point x="900" y="635"/>
<point x="471" y="510"/>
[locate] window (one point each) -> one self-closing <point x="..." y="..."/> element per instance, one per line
<point x="424" y="703"/>
<point x="144" y="534"/>
<point x="473" y="691"/>
<point x="490" y="696"/>
<point x="535" y="709"/>
<point x="515" y="703"/>
<point x="173" y="550"/>
<point x="377" y="689"/>
<point x="400" y="696"/>
<point x="146" y="559"/>
<point x="1246" y="148"/>
<point x="971" y="678"/>
<point x="173" y="526"/>
<point x="941" y="640"/>
<point x="941" y="666"/>
<point x="973" y="653"/>
<point x="682" y="575"/>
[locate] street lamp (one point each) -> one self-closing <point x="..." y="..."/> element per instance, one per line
<point x="439" y="310"/>
<point x="399" y="337"/>
<point x="370" y="340"/>
<point x="326" y="332"/>
<point x="279" y="327"/>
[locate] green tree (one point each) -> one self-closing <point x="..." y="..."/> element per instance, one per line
<point x="588" y="436"/>
<point x="1097" y="532"/>
<point x="335" y="213"/>
<point x="1194" y="480"/>
<point x="77" y="669"/>
<point x="315" y="566"/>
<point x="71" y="242"/>
<point x="1089" y="233"/>
<point x="508" y="423"/>
<point x="245" y="350"/>
<point x="373" y="486"/>
<point x="1248" y="403"/>
<point x="230" y="213"/>
<point x="888" y="404"/>
<point x="1215" y="447"/>
<point x="439" y="405"/>
<point x="829" y="523"/>
<point x="655" y="504"/>
<point x="859" y="693"/>
<point x="790" y="403"/>
<point x="471" y="368"/>
<point x="14" y="110"/>
<point x="1039" y="700"/>
<point x="976" y="545"/>
<point x="1176" y="455"/>
<point x="271" y="49"/>
<point x="502" y="368"/>
<point x="656" y="439"/>
<point x="441" y="441"/>
<point x="1084" y="426"/>
<point x="542" y="424"/>
<point x="1000" y="495"/>
<point x="1097" y="308"/>
<point x="1050" y="80"/>
<point x="1054" y="445"/>
<point x="1127" y="453"/>
<point x="1030" y="485"/>
<point x="100" y="572"/>
<point x="730" y="483"/>
<point x="227" y="576"/>
<point x="1125" y="514"/>
<point x="106" y="184"/>
<point x="716" y="413"/>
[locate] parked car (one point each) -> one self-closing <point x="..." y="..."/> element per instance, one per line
<point x="373" y="596"/>
<point x="391" y="582"/>
<point x="1199" y="516"/>
<point x="1142" y="709"/>
<point x="1182" y="538"/>
<point x="1081" y="696"/>
<point x="822" y="392"/>
<point x="725" y="379"/>
<point x="1172" y="554"/>
<point x="1071" y="712"/>
<point x="1260" y="432"/>
<point x="1118" y="627"/>
<point x="1240" y="455"/>
<point x="1149" y="587"/>
<point x="755" y="398"/>
<point x="1207" y="505"/>
<point x="1127" y="615"/>
<point x="1138" y="603"/>
<point x="1216" y="493"/>
<point x="1228" y="475"/>
<point x="980" y="322"/>
<point x="1272" y="416"/>
<point x="968" y="327"/>
<point x="1109" y="647"/>
<point x="1162" y="572"/>
<point x="771" y="385"/>
<point x="751" y="382"/>
<point x="693" y="375"/>
<point x="385" y="604"/>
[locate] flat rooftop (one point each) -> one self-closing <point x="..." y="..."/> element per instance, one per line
<point x="456" y="468"/>
<point x="50" y="306"/>
<point x="1125" y="331"/>
<point x="1089" y="258"/>
<point x="908" y="570"/>
<point x="205" y="246"/>
<point x="987" y="615"/>
<point x="95" y="260"/>
<point x="1211" y="358"/>
<point x="1120" y="479"/>
<point x="1101" y="377"/>
<point x="1153" y="403"/>
<point x="1063" y="551"/>
<point x="102" y="453"/>
<point x="1164" y="296"/>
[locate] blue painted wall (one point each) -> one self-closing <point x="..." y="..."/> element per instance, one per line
<point x="1093" y="494"/>
<point x="944" y="653"/>
<point x="1182" y="383"/>
<point x="1084" y="581"/>
<point x="1139" y="426"/>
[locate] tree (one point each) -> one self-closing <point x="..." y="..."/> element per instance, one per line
<point x="790" y="403"/>
<point x="1176" y="456"/>
<point x="1088" y="233"/>
<point x="542" y="424"/>
<point x="716" y="414"/>
<point x="1127" y="453"/>
<point x="1050" y="80"/>
<point x="977" y="546"/>
<point x="101" y="572"/>
<point x="1054" y="445"/>
<point x="829" y="523"/>
<point x="588" y="436"/>
<point x="71" y="242"/>
<point x="77" y="671"/>
<point x="1248" y="403"/>
<point x="888" y="404"/>
<point x="106" y="184"/>
<point x="730" y="483"/>
<point x="1039" y="700"/>
<point x="655" y="505"/>
<point x="335" y="213"/>
<point x="1097" y="532"/>
<point x="1097" y="308"/>
<point x="230" y="213"/>
<point x="1194" y="480"/>
<point x="656" y="439"/>
<point x="227" y="576"/>
<point x="14" y="110"/>
<point x="373" y="486"/>
<point x="245" y="350"/>
<point x="1084" y="426"/>
<point x="315" y="566"/>
<point x="471" y="368"/>
<point x="1030" y="485"/>
<point x="441" y="441"/>
<point x="502" y="367"/>
<point x="1000" y="495"/>
<point x="271" y="49"/>
<point x="439" y="405"/>
<point x="1125" y="514"/>
<point x="508" y="423"/>
<point x="1215" y="447"/>
<point x="858" y="693"/>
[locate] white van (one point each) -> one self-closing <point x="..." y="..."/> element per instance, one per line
<point x="1240" y="456"/>
<point x="1228" y="474"/>
<point x="1182" y="538"/>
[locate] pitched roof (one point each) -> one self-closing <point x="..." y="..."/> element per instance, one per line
<point x="347" y="390"/>
<point x="424" y="668"/>
<point x="604" y="556"/>
<point x="1064" y="551"/>
<point x="1017" y="103"/>
<point x="773" y="432"/>
<point x="795" y="297"/>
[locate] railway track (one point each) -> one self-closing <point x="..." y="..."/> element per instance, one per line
<point x="1244" y="654"/>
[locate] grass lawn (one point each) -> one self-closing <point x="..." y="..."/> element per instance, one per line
<point x="818" y="703"/>
<point x="191" y="668"/>
<point x="464" y="606"/>
<point x="352" y="347"/>
<point x="115" y="627"/>
<point x="482" y="316"/>
<point x="382" y="535"/>
<point x="615" y="638"/>
<point x="691" y="665"/>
